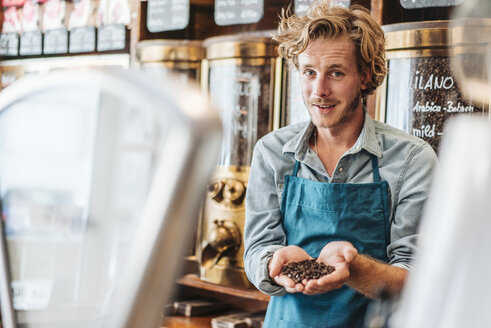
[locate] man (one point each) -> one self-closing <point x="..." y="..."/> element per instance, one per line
<point x="342" y="188"/>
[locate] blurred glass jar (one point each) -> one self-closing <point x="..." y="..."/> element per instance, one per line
<point x="177" y="57"/>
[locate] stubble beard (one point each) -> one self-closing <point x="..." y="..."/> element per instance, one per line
<point x="346" y="114"/>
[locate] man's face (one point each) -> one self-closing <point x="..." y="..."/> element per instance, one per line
<point x="330" y="81"/>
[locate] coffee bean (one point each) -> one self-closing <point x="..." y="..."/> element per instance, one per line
<point x="307" y="269"/>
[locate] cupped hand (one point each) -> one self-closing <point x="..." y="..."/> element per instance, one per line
<point x="338" y="254"/>
<point x="281" y="257"/>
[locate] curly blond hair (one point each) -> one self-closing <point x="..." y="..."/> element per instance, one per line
<point x="325" y="21"/>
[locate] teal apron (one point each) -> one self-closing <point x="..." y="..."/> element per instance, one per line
<point x="316" y="213"/>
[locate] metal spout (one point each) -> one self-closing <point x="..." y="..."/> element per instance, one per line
<point x="224" y="240"/>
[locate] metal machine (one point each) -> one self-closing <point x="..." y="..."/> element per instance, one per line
<point x="101" y="179"/>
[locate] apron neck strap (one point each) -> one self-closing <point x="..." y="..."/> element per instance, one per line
<point x="295" y="168"/>
<point x="376" y="174"/>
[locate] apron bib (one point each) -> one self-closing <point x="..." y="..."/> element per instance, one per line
<point x="316" y="213"/>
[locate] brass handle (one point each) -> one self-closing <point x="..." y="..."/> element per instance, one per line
<point x="229" y="192"/>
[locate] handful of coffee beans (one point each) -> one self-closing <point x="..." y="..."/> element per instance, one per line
<point x="307" y="269"/>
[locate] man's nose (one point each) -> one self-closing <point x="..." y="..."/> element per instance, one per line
<point x="322" y="87"/>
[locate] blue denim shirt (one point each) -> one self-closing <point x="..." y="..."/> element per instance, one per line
<point x="405" y="162"/>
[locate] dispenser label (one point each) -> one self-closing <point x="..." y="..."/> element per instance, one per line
<point x="9" y="44"/>
<point x="82" y="39"/>
<point x="232" y="12"/>
<point x="411" y="4"/>
<point x="55" y="41"/>
<point x="31" y="43"/>
<point x="167" y="15"/>
<point x="301" y="6"/>
<point x="111" y="37"/>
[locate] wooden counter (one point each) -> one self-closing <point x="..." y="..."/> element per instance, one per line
<point x="192" y="287"/>
<point x="240" y="298"/>
<point x="186" y="322"/>
<point x="192" y="280"/>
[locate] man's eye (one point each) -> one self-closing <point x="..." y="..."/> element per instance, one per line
<point x="309" y="72"/>
<point x="337" y="74"/>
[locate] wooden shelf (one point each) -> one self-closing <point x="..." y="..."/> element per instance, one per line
<point x="192" y="280"/>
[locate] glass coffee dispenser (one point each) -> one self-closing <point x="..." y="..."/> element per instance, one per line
<point x="241" y="75"/>
<point x="420" y="92"/>
<point x="181" y="58"/>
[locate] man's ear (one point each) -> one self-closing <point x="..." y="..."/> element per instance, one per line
<point x="366" y="76"/>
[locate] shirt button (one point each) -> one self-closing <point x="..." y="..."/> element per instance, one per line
<point x="340" y="169"/>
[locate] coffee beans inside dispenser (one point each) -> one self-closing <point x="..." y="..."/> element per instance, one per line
<point x="436" y="97"/>
<point x="422" y="92"/>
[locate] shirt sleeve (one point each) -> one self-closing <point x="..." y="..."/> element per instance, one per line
<point x="411" y="192"/>
<point x="263" y="230"/>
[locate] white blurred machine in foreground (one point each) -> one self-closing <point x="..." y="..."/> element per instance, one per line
<point x="451" y="286"/>
<point x="471" y="29"/>
<point x="101" y="179"/>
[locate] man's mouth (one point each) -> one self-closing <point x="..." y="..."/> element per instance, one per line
<point x="324" y="106"/>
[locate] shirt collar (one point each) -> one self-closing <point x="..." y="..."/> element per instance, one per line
<point x="366" y="140"/>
